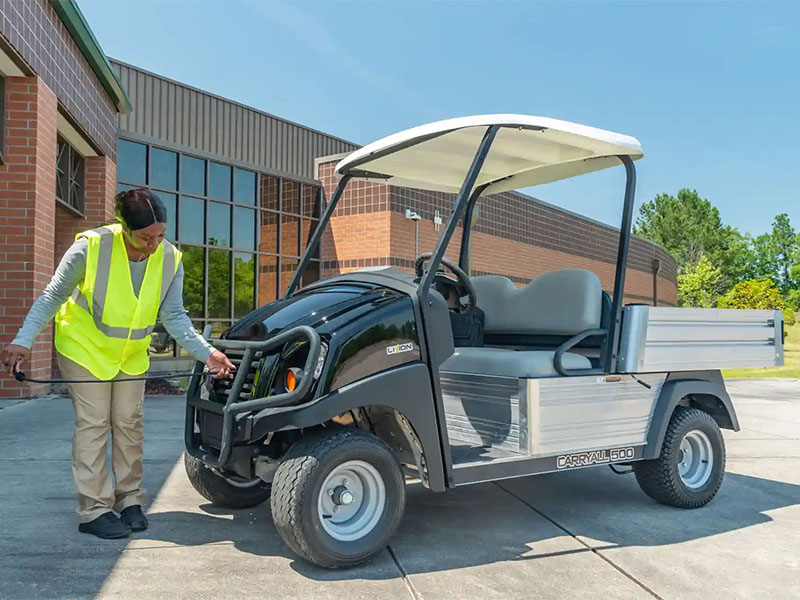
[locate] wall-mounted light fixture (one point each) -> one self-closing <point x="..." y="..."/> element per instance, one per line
<point x="413" y="216"/>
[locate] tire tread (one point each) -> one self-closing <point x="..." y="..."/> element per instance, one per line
<point x="659" y="480"/>
<point x="289" y="499"/>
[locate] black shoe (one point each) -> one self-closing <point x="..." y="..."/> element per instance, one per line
<point x="106" y="526"/>
<point x="134" y="518"/>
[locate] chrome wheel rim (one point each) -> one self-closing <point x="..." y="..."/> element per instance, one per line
<point x="695" y="459"/>
<point x="351" y="501"/>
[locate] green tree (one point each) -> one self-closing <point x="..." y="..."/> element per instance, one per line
<point x="795" y="270"/>
<point x="793" y="300"/>
<point x="690" y="227"/>
<point x="761" y="258"/>
<point x="699" y="284"/>
<point x="776" y="255"/>
<point x="758" y="294"/>
<point x="785" y="247"/>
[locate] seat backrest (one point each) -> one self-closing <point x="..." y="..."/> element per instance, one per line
<point x="558" y="303"/>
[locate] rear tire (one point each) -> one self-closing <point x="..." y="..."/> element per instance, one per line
<point x="338" y="496"/>
<point x="690" y="469"/>
<point x="218" y="491"/>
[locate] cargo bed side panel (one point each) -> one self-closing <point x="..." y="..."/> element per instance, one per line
<point x="659" y="339"/>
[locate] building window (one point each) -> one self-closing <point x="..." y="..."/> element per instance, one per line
<point x="69" y="177"/>
<point x="241" y="232"/>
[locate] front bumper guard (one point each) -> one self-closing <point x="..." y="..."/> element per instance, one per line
<point x="231" y="408"/>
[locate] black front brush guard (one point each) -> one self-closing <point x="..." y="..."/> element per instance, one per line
<point x="232" y="408"/>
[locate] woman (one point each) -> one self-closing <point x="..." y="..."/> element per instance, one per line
<point x="106" y="294"/>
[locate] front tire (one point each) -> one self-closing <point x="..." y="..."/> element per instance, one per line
<point x="338" y="496"/>
<point x="218" y="491"/>
<point x="690" y="469"/>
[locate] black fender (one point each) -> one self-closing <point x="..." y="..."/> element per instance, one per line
<point x="705" y="391"/>
<point x="406" y="389"/>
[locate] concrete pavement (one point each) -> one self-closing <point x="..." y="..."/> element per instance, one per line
<point x="583" y="534"/>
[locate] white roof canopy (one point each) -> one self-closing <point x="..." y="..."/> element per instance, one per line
<point x="527" y="151"/>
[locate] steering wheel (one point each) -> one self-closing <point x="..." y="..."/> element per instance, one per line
<point x="459" y="292"/>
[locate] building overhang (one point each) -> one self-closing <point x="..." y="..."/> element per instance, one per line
<point x="9" y="64"/>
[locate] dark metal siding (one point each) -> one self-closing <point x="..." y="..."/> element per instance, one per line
<point x="184" y="116"/>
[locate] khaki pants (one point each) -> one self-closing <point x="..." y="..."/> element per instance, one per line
<point x="100" y="408"/>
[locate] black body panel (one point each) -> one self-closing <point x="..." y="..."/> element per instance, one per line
<point x="381" y="335"/>
<point x="707" y="392"/>
<point x="405" y="389"/>
<point x="368" y="325"/>
<point x="376" y="356"/>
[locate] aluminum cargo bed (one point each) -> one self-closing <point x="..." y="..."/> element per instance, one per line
<point x="663" y="339"/>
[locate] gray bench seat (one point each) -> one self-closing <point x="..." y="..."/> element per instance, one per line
<point x="510" y="363"/>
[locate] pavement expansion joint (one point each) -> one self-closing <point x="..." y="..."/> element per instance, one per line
<point x="406" y="579"/>
<point x="746" y="457"/>
<point x="170" y="546"/>
<point x="582" y="543"/>
<point x="777" y="436"/>
<point x="789" y="421"/>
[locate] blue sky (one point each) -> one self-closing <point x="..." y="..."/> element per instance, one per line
<point x="710" y="89"/>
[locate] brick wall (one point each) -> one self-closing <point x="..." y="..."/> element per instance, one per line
<point x="515" y="235"/>
<point x="27" y="192"/>
<point x="35" y="31"/>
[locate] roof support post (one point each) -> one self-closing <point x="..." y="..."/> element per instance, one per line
<point x="612" y="345"/>
<point x="463" y="257"/>
<point x="315" y="239"/>
<point x="458" y="209"/>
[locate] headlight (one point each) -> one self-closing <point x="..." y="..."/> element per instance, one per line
<point x="323" y="353"/>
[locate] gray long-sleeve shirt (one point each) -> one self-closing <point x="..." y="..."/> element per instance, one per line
<point x="70" y="273"/>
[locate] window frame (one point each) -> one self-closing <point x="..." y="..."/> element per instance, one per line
<point x="76" y="205"/>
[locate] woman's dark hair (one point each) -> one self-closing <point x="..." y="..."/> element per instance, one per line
<point x="137" y="209"/>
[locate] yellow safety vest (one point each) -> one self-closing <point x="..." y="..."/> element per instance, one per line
<point x="104" y="326"/>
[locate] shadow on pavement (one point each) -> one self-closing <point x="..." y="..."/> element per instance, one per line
<point x="492" y="523"/>
<point x="44" y="556"/>
<point x="525" y="519"/>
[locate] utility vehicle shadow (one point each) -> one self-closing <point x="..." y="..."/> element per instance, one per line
<point x="505" y="522"/>
<point x="250" y="530"/>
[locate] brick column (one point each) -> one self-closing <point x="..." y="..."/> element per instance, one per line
<point x="27" y="192"/>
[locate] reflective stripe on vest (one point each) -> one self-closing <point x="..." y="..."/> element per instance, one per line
<point x="101" y="287"/>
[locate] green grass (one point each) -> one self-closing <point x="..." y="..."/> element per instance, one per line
<point x="790" y="369"/>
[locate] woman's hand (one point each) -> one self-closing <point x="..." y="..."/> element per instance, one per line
<point x="14" y="357"/>
<point x="220" y="365"/>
